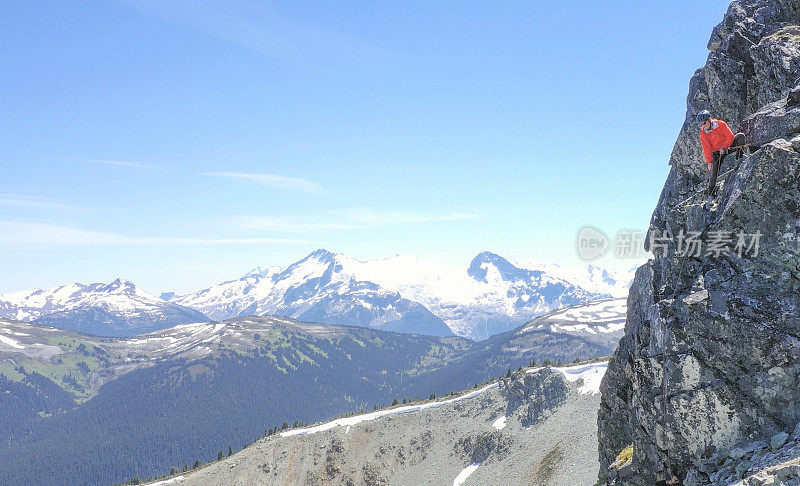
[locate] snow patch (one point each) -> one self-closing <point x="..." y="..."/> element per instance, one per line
<point x="357" y="419"/>
<point x="592" y="375"/>
<point x="9" y="331"/>
<point x="465" y="473"/>
<point x="500" y="423"/>
<point x="176" y="479"/>
<point x="11" y="342"/>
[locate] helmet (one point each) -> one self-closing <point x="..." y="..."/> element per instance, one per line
<point x="703" y="116"/>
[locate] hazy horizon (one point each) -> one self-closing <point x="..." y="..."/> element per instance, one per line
<point x="179" y="145"/>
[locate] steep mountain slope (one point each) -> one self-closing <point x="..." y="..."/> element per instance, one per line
<point x="709" y="361"/>
<point x="196" y="388"/>
<point x="532" y="427"/>
<point x="193" y="388"/>
<point x="401" y="293"/>
<point x="115" y="309"/>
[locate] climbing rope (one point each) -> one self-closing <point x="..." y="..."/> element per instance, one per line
<point x="664" y="355"/>
<point x="683" y="204"/>
<point x="664" y="328"/>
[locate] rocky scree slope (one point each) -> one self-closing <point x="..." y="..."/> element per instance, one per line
<point x="532" y="427"/>
<point x="719" y="333"/>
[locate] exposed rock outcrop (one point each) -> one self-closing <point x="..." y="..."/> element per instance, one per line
<point x="532" y="396"/>
<point x="477" y="449"/>
<point x="709" y="360"/>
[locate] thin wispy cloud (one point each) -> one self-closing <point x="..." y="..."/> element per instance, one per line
<point x="36" y="202"/>
<point x="57" y="235"/>
<point x="119" y="163"/>
<point x="367" y="216"/>
<point x="257" y="27"/>
<point x="347" y="219"/>
<point x="270" y="180"/>
<point x="286" y="225"/>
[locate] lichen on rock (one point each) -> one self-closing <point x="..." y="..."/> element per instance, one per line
<point x="709" y="359"/>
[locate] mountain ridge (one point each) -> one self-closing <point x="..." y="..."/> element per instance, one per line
<point x="231" y="380"/>
<point x="400" y="293"/>
<point x="468" y="306"/>
<point x="118" y="308"/>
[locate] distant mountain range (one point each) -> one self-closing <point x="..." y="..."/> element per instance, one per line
<point x="401" y="293"/>
<point x="115" y="309"/>
<point x="317" y="288"/>
<point x="406" y="294"/>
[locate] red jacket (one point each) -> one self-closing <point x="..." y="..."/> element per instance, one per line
<point x="719" y="137"/>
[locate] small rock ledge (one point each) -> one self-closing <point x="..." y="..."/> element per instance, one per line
<point x="719" y="331"/>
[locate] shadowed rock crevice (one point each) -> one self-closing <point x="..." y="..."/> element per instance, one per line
<point x="724" y="327"/>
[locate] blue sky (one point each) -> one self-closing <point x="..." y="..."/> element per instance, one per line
<point x="179" y="144"/>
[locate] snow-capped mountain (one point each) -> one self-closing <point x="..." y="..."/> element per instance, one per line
<point x="318" y="289"/>
<point x="598" y="279"/>
<point x="491" y="296"/>
<point x="118" y="308"/>
<point x="230" y="299"/>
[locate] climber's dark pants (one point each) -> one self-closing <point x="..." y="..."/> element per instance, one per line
<point x="738" y="139"/>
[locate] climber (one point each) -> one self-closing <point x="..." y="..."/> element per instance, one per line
<point x="716" y="137"/>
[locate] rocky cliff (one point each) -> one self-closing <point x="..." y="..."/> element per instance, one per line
<point x="709" y="360"/>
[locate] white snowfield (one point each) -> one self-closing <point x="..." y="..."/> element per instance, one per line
<point x="119" y="296"/>
<point x="606" y="316"/>
<point x="175" y="480"/>
<point x="500" y="423"/>
<point x="10" y="341"/>
<point x="418" y="280"/>
<point x="439" y="287"/>
<point x="591" y="374"/>
<point x="448" y="291"/>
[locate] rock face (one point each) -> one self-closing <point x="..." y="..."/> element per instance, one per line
<point x="709" y="360"/>
<point x="533" y="395"/>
